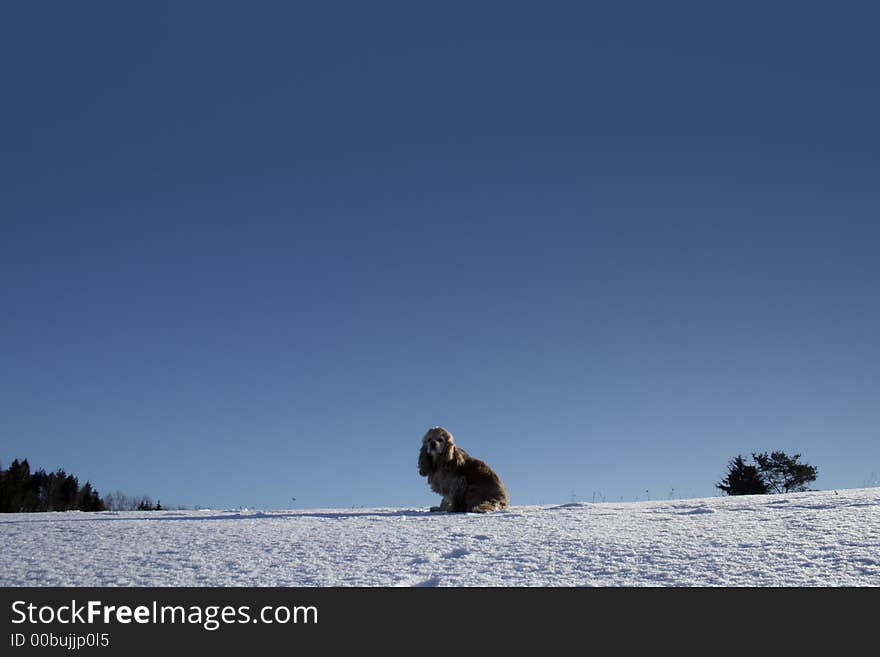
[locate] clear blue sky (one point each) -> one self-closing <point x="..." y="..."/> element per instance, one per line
<point x="252" y="251"/>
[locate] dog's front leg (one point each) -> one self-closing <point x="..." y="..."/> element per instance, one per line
<point x="445" y="505"/>
<point x="457" y="496"/>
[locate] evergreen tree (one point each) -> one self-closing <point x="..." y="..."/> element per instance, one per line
<point x="68" y="493"/>
<point x="742" y="479"/>
<point x="783" y="473"/>
<point x="17" y="477"/>
<point x="88" y="499"/>
<point x="38" y="491"/>
<point x="56" y="486"/>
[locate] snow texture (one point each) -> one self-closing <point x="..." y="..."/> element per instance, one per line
<point x="823" y="538"/>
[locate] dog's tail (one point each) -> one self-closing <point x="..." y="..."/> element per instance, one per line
<point x="489" y="506"/>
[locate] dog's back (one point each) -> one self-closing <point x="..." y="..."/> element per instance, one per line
<point x="485" y="490"/>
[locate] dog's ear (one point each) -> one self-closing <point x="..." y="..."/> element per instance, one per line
<point x="448" y="453"/>
<point x="426" y="465"/>
<point x="455" y="455"/>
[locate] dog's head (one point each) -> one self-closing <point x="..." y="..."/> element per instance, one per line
<point x="438" y="441"/>
<point x="438" y="447"/>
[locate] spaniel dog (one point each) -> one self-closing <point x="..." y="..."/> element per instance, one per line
<point x="466" y="484"/>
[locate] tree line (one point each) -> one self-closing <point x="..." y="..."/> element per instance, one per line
<point x="23" y="490"/>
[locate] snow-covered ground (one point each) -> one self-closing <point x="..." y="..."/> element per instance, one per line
<point x="822" y="538"/>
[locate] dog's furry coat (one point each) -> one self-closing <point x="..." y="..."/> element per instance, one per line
<point x="466" y="484"/>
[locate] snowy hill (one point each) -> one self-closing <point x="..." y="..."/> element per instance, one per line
<point x="823" y="538"/>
